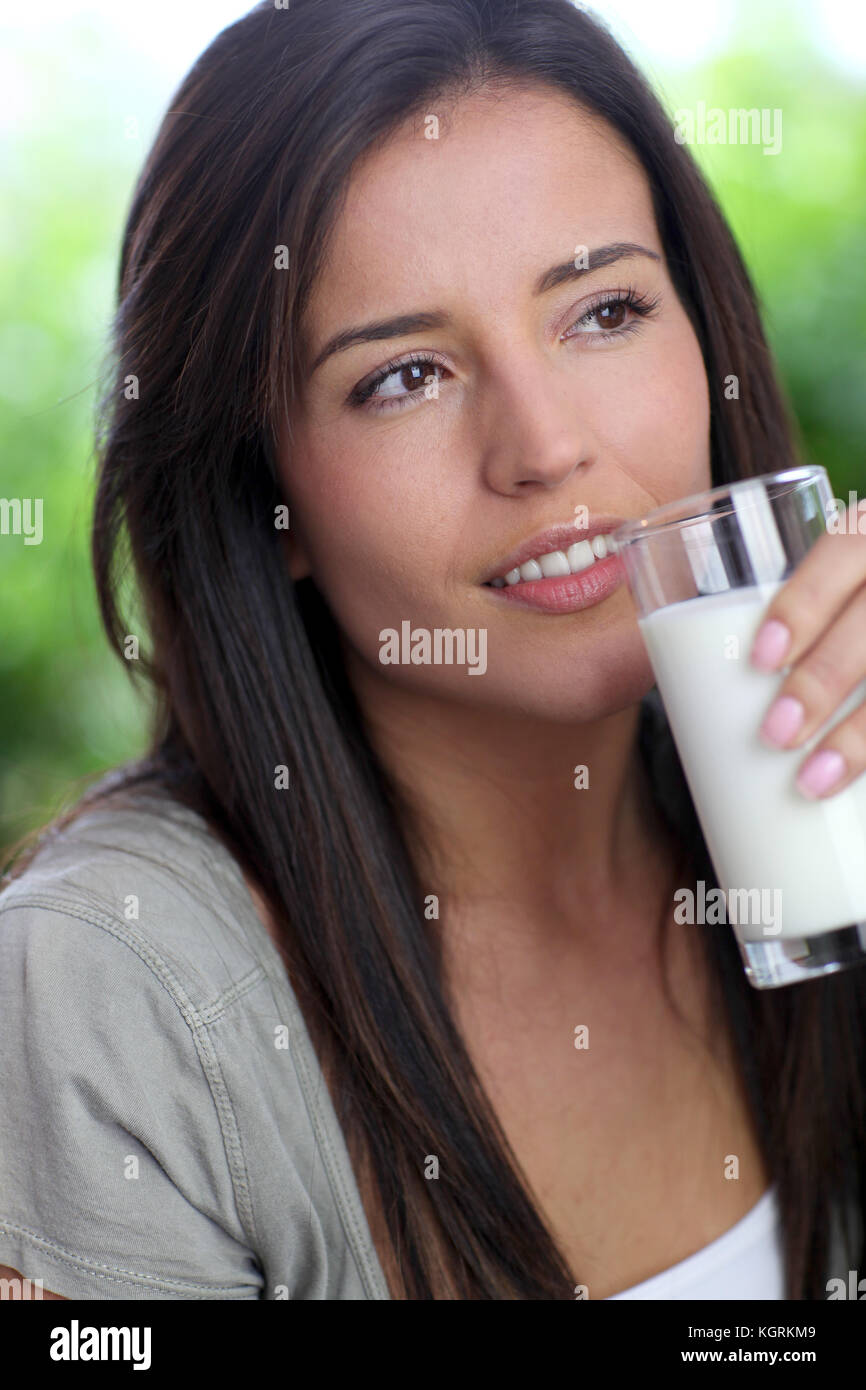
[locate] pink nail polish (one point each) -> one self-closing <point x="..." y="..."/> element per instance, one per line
<point x="771" y="644"/>
<point x="783" y="720"/>
<point x="821" y="772"/>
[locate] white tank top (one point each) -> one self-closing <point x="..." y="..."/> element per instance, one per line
<point x="744" y="1262"/>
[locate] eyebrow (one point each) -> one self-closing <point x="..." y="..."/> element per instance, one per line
<point x="404" y="324"/>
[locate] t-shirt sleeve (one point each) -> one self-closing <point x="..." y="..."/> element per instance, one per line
<point x="114" y="1177"/>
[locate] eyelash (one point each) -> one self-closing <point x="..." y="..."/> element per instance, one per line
<point x="361" y="396"/>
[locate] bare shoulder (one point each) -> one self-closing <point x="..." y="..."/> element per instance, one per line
<point x="11" y="1285"/>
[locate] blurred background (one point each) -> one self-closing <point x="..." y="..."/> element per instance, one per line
<point x="83" y="91"/>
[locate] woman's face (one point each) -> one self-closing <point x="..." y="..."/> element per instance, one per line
<point x="529" y="404"/>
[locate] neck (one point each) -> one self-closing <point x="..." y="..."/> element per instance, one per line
<point x="500" y="830"/>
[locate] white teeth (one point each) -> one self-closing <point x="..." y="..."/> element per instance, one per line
<point x="580" y="556"/>
<point x="577" y="557"/>
<point x="554" y="563"/>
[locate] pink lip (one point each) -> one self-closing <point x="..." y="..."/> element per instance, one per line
<point x="555" y="538"/>
<point x="567" y="593"/>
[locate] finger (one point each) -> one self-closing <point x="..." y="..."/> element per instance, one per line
<point x="820" y="681"/>
<point x="825" y="579"/>
<point x="838" y="760"/>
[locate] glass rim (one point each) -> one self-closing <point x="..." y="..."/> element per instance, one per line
<point x="667" y="517"/>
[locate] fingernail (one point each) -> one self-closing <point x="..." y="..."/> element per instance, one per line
<point x="771" y="644"/>
<point x="782" y="721"/>
<point x="820" y="772"/>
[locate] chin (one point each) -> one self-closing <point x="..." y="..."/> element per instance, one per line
<point x="569" y="689"/>
<point x="557" y="700"/>
<point x="571" y="707"/>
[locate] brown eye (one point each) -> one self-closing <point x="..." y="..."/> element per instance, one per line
<point x="411" y="375"/>
<point x="397" y="384"/>
<point x="612" y="315"/>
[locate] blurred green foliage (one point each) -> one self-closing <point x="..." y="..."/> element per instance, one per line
<point x="800" y="219"/>
<point x="66" y="703"/>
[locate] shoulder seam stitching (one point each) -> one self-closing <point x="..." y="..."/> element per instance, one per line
<point x="364" y="1256"/>
<point x="52" y="1250"/>
<point x="198" y="1028"/>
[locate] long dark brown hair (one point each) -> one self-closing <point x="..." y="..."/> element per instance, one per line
<point x="245" y="666"/>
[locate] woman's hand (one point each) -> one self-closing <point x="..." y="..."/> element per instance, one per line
<point x="817" y="624"/>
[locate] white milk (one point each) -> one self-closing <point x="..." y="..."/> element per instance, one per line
<point x="761" y="831"/>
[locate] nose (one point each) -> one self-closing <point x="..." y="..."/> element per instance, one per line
<point x="537" y="434"/>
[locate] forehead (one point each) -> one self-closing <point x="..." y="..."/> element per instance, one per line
<point x="515" y="180"/>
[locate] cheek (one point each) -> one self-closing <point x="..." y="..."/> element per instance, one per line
<point x="374" y="529"/>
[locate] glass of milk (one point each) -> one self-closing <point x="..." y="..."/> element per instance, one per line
<point x="791" y="871"/>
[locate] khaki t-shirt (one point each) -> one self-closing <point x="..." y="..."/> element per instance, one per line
<point x="165" y="1128"/>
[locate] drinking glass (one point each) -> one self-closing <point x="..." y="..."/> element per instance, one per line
<point x="792" y="871"/>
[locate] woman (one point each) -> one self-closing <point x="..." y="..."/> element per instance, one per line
<point x="357" y="987"/>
